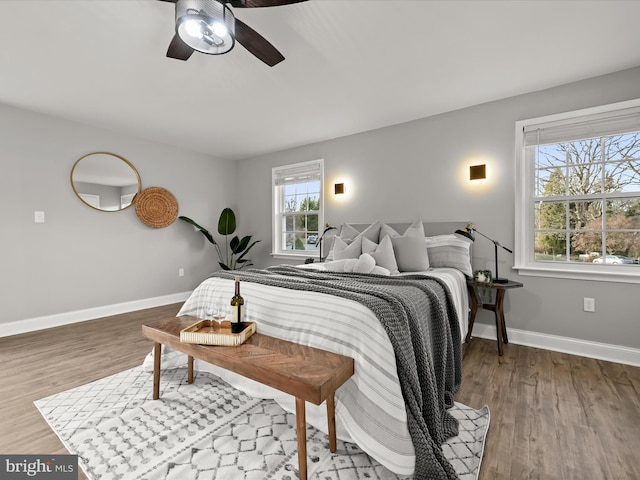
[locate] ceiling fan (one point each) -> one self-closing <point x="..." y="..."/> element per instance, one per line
<point x="209" y="26"/>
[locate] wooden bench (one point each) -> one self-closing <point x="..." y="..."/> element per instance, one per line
<point x="309" y="374"/>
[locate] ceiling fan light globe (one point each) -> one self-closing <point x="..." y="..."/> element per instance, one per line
<point x="207" y="26"/>
<point x="193" y="28"/>
<point x="220" y="29"/>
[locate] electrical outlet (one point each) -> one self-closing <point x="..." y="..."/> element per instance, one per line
<point x="181" y="272"/>
<point x="589" y="304"/>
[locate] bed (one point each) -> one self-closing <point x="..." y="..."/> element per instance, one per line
<point x="321" y="305"/>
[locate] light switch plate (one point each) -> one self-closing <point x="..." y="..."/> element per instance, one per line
<point x="38" y="217"/>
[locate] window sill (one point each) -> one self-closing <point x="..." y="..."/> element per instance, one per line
<point x="601" y="274"/>
<point x="295" y="256"/>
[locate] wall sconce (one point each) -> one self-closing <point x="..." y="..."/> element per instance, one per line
<point x="338" y="188"/>
<point x="477" y="172"/>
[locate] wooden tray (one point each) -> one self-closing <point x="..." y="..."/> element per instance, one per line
<point x="211" y="332"/>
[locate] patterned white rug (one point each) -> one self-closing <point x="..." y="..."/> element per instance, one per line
<point x="210" y="430"/>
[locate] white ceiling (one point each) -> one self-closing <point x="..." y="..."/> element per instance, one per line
<point x="351" y="65"/>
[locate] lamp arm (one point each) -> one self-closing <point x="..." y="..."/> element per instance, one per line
<point x="319" y="241"/>
<point x="324" y="232"/>
<point x="495" y="242"/>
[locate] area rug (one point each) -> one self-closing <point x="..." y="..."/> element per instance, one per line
<point x="209" y="430"/>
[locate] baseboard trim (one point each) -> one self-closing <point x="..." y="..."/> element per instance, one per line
<point x="574" y="346"/>
<point x="59" y="319"/>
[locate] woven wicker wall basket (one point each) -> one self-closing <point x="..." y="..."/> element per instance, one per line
<point x="156" y="207"/>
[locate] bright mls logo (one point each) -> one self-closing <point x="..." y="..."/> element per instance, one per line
<point x="39" y="467"/>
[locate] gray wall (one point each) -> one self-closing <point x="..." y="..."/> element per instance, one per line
<point x="81" y="258"/>
<point x="420" y="170"/>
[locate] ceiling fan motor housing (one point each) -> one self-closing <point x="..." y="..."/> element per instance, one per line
<point x="214" y="24"/>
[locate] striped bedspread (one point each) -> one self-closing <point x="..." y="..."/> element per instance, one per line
<point x="370" y="408"/>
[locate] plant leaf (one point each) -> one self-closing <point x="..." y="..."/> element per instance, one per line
<point x="241" y="245"/>
<point x="247" y="250"/>
<point x="202" y="230"/>
<point x="227" y="222"/>
<point x="234" y="244"/>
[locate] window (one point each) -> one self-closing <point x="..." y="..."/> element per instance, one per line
<point x="297" y="207"/>
<point x="578" y="198"/>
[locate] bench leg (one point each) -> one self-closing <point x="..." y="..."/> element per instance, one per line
<point x="157" y="352"/>
<point x="301" y="422"/>
<point x="190" y="369"/>
<point x="331" y="418"/>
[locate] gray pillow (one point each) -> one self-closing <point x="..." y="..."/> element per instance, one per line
<point x="382" y="253"/>
<point x="409" y="249"/>
<point x="416" y="229"/>
<point x="342" y="249"/>
<point x="411" y="253"/>
<point x="348" y="233"/>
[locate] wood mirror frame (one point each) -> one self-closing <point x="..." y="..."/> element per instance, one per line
<point x="105" y="181"/>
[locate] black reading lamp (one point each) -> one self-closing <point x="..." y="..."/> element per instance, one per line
<point x="468" y="233"/>
<point x="319" y="241"/>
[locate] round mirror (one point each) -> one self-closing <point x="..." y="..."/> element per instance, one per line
<point x="105" y="181"/>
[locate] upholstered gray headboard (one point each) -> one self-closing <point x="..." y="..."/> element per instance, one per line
<point x="430" y="228"/>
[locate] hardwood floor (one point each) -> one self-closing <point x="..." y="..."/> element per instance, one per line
<point x="553" y="415"/>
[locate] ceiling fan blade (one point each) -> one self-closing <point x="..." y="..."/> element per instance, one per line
<point x="178" y="49"/>
<point x="257" y="44"/>
<point x="260" y="3"/>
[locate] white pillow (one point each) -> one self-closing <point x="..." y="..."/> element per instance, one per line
<point x="335" y="265"/>
<point x="450" y="251"/>
<point x="382" y="253"/>
<point x="364" y="264"/>
<point x="342" y="249"/>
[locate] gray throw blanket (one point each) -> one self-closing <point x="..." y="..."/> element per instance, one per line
<point x="420" y="319"/>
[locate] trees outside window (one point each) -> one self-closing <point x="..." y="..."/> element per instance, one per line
<point x="581" y="204"/>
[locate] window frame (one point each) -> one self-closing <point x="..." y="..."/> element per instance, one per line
<point x="277" y="213"/>
<point x="524" y="261"/>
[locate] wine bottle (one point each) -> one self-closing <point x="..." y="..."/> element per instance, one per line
<point x="236" y="306"/>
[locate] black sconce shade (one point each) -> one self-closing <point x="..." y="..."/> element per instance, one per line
<point x="338" y="188"/>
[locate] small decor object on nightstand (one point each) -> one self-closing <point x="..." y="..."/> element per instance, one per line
<point x="482" y="283"/>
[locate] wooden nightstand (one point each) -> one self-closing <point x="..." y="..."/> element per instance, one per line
<point x="499" y="290"/>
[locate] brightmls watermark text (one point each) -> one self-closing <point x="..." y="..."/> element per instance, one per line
<point x="38" y="467"/>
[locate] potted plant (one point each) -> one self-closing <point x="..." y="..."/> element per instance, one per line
<point x="233" y="256"/>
